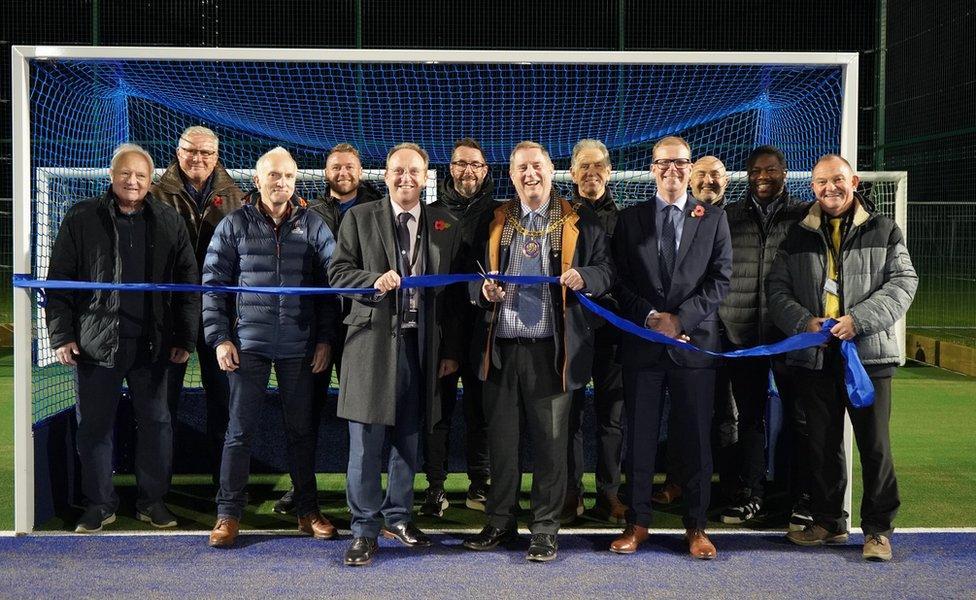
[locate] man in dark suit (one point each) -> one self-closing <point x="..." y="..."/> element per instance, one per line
<point x="539" y="345"/>
<point x="411" y="333"/>
<point x="674" y="261"/>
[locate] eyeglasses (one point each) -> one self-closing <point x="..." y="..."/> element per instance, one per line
<point x="665" y="163"/>
<point x="200" y="153"/>
<point x="462" y="165"/>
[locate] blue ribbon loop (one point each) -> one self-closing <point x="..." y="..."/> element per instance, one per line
<point x="860" y="390"/>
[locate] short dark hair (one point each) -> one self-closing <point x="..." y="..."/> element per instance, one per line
<point x="469" y="143"/>
<point x="766" y="150"/>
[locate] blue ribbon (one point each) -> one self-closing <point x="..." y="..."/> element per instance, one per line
<point x="860" y="390"/>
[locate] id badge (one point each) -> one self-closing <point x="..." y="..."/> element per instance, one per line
<point x="830" y="286"/>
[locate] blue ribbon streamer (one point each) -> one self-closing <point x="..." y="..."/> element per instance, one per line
<point x="860" y="390"/>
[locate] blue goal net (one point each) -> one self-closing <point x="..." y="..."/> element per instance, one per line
<point x="81" y="109"/>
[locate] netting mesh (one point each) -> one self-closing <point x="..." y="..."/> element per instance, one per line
<point x="81" y="110"/>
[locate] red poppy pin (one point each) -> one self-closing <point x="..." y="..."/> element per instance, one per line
<point x="218" y="201"/>
<point x="698" y="211"/>
<point x="302" y="202"/>
<point x="441" y="225"/>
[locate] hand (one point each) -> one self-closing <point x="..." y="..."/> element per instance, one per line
<point x="815" y="324"/>
<point x="492" y="290"/>
<point x="178" y="355"/>
<point x="447" y="366"/>
<point x="227" y="356"/>
<point x="320" y="360"/>
<point x="572" y="279"/>
<point x="387" y="281"/>
<point x="844" y="329"/>
<point x="665" y="324"/>
<point x="66" y="354"/>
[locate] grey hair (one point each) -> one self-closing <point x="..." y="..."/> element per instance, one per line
<point x="588" y="144"/>
<point x="200" y="130"/>
<point x="122" y="149"/>
<point x="276" y="151"/>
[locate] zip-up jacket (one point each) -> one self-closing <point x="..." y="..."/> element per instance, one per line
<point x="87" y="249"/>
<point x="754" y="244"/>
<point x="327" y="207"/>
<point x="246" y="251"/>
<point x="878" y="283"/>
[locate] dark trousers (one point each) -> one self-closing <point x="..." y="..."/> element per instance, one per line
<point x="217" y="390"/>
<point x="526" y="389"/>
<point x="824" y="400"/>
<point x="692" y="398"/>
<point x="608" y="404"/>
<point x="364" y="491"/>
<point x="438" y="441"/>
<point x="750" y="387"/>
<point x="99" y="390"/>
<point x="248" y="388"/>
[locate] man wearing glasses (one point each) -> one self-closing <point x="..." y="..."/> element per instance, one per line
<point x="199" y="188"/>
<point x="468" y="193"/>
<point x="674" y="261"/>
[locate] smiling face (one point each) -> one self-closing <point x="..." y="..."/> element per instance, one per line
<point x="531" y="172"/>
<point x="197" y="156"/>
<point x="671" y="167"/>
<point x="131" y="179"/>
<point x="833" y="184"/>
<point x="343" y="171"/>
<point x="709" y="179"/>
<point x="406" y="176"/>
<point x="591" y="172"/>
<point x="767" y="177"/>
<point x="468" y="170"/>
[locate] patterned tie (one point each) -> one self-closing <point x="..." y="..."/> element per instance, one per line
<point x="530" y="296"/>
<point x="667" y="254"/>
<point x="403" y="237"/>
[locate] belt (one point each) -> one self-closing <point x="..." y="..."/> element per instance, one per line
<point x="523" y="341"/>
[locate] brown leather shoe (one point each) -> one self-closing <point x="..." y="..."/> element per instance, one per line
<point x="317" y="526"/>
<point x="609" y="508"/>
<point x="668" y="494"/>
<point x="699" y="545"/>
<point x="224" y="532"/>
<point x="629" y="540"/>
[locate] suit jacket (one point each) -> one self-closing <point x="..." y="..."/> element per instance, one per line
<point x="366" y="249"/>
<point x="583" y="248"/>
<point x="702" y="271"/>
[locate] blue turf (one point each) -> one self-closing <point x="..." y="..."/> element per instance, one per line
<point x="925" y="565"/>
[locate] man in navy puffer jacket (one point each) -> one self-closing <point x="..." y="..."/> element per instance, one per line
<point x="272" y="241"/>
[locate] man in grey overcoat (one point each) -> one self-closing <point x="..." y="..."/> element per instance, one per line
<point x="399" y="343"/>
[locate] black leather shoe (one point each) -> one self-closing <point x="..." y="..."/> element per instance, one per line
<point x="542" y="548"/>
<point x="489" y="537"/>
<point x="360" y="553"/>
<point x="406" y="533"/>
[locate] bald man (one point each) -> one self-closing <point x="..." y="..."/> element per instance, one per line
<point x="709" y="180"/>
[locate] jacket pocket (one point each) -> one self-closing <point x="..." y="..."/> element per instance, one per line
<point x="359" y="316"/>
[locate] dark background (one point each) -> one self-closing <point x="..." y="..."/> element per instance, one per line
<point x="917" y="108"/>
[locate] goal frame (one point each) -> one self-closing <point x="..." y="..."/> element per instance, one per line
<point x="21" y="127"/>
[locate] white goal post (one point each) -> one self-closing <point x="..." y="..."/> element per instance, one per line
<point x="23" y="175"/>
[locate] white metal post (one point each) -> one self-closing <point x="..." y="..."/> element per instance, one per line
<point x="23" y="416"/>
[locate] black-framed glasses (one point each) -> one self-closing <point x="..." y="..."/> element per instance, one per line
<point x="665" y="163"/>
<point x="463" y="164"/>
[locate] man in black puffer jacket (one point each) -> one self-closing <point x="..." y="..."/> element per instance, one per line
<point x="124" y="236"/>
<point x="758" y="224"/>
<point x="273" y="241"/>
<point x="468" y="193"/>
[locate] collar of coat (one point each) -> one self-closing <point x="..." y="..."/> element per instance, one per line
<point x="171" y="181"/>
<point x="814" y="219"/>
<point x="570" y="233"/>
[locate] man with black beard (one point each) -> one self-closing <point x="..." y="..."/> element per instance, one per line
<point x="345" y="189"/>
<point x="468" y="193"/>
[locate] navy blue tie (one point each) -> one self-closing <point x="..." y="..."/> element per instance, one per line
<point x="530" y="296"/>
<point x="668" y="243"/>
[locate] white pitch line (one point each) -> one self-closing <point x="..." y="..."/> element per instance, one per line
<point x="564" y="531"/>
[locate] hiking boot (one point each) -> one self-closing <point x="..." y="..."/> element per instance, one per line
<point x="877" y="548"/>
